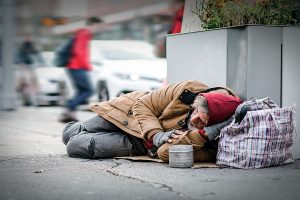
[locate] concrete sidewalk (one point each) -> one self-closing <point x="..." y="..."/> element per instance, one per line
<point x="34" y="165"/>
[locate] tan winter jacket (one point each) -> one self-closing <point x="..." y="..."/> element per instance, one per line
<point x="143" y="114"/>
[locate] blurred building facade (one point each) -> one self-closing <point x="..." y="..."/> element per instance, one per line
<point x="50" y="21"/>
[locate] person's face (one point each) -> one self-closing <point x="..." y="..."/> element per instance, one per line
<point x="199" y="119"/>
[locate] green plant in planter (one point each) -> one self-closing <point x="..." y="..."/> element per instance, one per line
<point x="226" y="13"/>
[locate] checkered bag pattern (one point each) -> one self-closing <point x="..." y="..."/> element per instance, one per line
<point x="261" y="104"/>
<point x="263" y="138"/>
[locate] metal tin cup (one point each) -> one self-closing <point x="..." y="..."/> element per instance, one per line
<point x="181" y="156"/>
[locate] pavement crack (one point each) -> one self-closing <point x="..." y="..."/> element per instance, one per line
<point x="110" y="170"/>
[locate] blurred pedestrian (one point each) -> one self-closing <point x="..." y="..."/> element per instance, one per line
<point x="78" y="68"/>
<point x="28" y="57"/>
<point x="176" y="7"/>
<point x="147" y="123"/>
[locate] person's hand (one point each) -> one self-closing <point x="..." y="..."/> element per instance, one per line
<point x="162" y="137"/>
<point x="194" y="131"/>
<point x="176" y="134"/>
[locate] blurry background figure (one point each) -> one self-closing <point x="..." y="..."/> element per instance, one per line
<point x="177" y="7"/>
<point x="78" y="68"/>
<point x="28" y="57"/>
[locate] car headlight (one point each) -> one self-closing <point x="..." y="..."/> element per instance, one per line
<point x="132" y="77"/>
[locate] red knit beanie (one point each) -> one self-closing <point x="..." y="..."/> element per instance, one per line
<point x="220" y="106"/>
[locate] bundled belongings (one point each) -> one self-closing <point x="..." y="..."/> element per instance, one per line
<point x="261" y="135"/>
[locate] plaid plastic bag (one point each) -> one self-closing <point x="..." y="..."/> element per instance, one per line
<point x="263" y="138"/>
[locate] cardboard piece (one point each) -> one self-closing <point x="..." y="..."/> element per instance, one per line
<point x="196" y="165"/>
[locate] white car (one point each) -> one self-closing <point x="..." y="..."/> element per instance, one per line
<point x="119" y="67"/>
<point x="51" y="82"/>
<point x="125" y="66"/>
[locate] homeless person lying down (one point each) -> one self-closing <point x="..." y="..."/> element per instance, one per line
<point x="148" y="123"/>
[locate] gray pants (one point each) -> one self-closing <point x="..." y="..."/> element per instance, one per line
<point x="98" y="138"/>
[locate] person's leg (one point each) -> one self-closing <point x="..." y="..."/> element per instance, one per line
<point x="84" y="88"/>
<point x="200" y="155"/>
<point x="101" y="145"/>
<point x="98" y="138"/>
<point x="26" y="86"/>
<point x="92" y="125"/>
<point x="34" y="86"/>
<point x="193" y="138"/>
<point x="71" y="129"/>
<point x="81" y="81"/>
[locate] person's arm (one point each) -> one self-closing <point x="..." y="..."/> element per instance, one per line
<point x="212" y="132"/>
<point x="149" y="107"/>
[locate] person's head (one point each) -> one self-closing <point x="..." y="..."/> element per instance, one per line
<point x="92" y="23"/>
<point x="27" y="37"/>
<point x="213" y="108"/>
<point x="176" y="5"/>
<point x="199" y="117"/>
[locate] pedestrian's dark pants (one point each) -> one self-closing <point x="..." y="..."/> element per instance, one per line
<point x="84" y="88"/>
<point x="98" y="138"/>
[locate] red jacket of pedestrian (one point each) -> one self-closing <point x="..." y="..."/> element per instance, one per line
<point x="80" y="50"/>
<point x="177" y="22"/>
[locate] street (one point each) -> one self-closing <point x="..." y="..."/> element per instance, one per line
<point x="34" y="165"/>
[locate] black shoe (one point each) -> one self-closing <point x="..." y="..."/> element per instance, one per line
<point x="67" y="118"/>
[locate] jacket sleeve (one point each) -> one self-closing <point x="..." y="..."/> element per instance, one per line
<point x="150" y="107"/>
